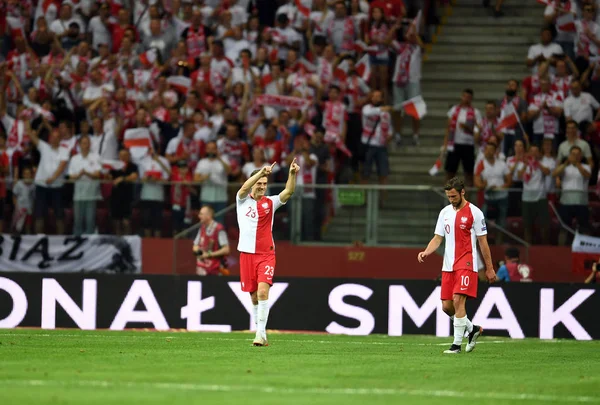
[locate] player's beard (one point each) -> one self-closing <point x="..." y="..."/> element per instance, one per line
<point x="459" y="203"/>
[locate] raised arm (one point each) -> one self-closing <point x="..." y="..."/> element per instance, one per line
<point x="290" y="185"/>
<point x="248" y="184"/>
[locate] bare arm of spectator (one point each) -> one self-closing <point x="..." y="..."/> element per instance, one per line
<point x="507" y="181"/>
<point x="447" y="134"/>
<point x="557" y="111"/>
<point x="33" y="135"/>
<point x="586" y="74"/>
<point x="560" y="169"/>
<point x="572" y="67"/>
<point x="245" y="102"/>
<point x="533" y="113"/>
<point x="591" y="277"/>
<point x="58" y="172"/>
<point x="584" y="172"/>
<point x="480" y="182"/>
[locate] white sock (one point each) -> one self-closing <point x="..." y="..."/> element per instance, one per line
<point x="255" y="313"/>
<point x="469" y="326"/>
<point x="459" y="329"/>
<point x="262" y="316"/>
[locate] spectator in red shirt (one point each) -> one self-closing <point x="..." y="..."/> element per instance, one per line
<point x="118" y="29"/>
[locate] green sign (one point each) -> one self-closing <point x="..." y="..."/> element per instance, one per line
<point x="351" y="197"/>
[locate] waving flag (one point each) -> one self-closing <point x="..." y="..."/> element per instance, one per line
<point x="435" y="169"/>
<point x="415" y="107"/>
<point x="181" y="84"/>
<point x="566" y="22"/>
<point x="149" y="57"/>
<point x="363" y="68"/>
<point x="510" y="119"/>
<point x="137" y="137"/>
<point x="360" y="46"/>
<point x="112" y="164"/>
<point x="304" y="7"/>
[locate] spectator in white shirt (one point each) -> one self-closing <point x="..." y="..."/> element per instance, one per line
<point x="212" y="172"/>
<point x="60" y="26"/>
<point x="554" y="10"/>
<point x="535" y="203"/>
<point x="542" y="51"/>
<point x="564" y="149"/>
<point x="459" y="140"/>
<point x="545" y="111"/>
<point x="103" y="142"/>
<point x="580" y="106"/>
<point x="84" y="169"/>
<point x="153" y="169"/>
<point x="49" y="180"/>
<point x="573" y="179"/>
<point x="23" y="199"/>
<point x="493" y="176"/>
<point x="587" y="39"/>
<point x="96" y="88"/>
<point x="376" y="134"/>
<point x="99" y="29"/>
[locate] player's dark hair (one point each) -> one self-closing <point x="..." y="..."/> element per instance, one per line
<point x="255" y="171"/>
<point x="455" y="183"/>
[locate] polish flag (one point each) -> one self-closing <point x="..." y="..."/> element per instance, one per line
<point x="360" y="46"/>
<point x="363" y="68"/>
<point x="509" y="121"/>
<point x="545" y="2"/>
<point x="341" y="71"/>
<point x="417" y="22"/>
<point x="435" y="169"/>
<point x="149" y="57"/>
<point x="304" y="6"/>
<point x="139" y="137"/>
<point x="415" y="107"/>
<point x="181" y="84"/>
<point x="112" y="164"/>
<point x="566" y="22"/>
<point x="17" y="29"/>
<point x="266" y="80"/>
<point x="306" y="66"/>
<point x="334" y="138"/>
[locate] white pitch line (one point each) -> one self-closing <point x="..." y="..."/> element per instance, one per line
<point x="506" y="396"/>
<point x="200" y="337"/>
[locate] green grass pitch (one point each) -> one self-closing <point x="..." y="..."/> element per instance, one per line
<point x="101" y="367"/>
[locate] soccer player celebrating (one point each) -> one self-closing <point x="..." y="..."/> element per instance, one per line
<point x="463" y="225"/>
<point x="255" y="213"/>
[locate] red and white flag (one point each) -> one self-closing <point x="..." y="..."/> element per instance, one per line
<point x="266" y="80"/>
<point x="566" y="22"/>
<point x="17" y="28"/>
<point x="417" y="21"/>
<point x="112" y="164"/>
<point x="306" y="66"/>
<point x="149" y="57"/>
<point x="181" y="84"/>
<point x="545" y="2"/>
<point x="509" y="121"/>
<point x="341" y="71"/>
<point x="415" y="107"/>
<point x="435" y="169"/>
<point x="137" y="137"/>
<point x="304" y="7"/>
<point x="334" y="138"/>
<point x="360" y="46"/>
<point x="363" y="68"/>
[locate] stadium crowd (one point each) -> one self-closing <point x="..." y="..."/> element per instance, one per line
<point x="198" y="93"/>
<point x="542" y="137"/>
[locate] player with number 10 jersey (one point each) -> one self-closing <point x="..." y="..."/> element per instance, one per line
<point x="462" y="225"/>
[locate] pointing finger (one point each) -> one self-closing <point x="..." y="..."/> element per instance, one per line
<point x="274" y="163"/>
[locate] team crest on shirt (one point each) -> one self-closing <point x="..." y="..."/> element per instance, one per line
<point x="463" y="220"/>
<point x="265" y="205"/>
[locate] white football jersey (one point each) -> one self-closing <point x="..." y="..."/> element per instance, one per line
<point x="255" y="220"/>
<point x="461" y="228"/>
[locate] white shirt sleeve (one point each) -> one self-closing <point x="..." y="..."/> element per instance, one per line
<point x="451" y="112"/>
<point x="223" y="239"/>
<point x="439" y="226"/>
<point x="568" y="110"/>
<point x="277" y="203"/>
<point x="201" y="167"/>
<point x="172" y="146"/>
<point x="594" y="102"/>
<point x="533" y="52"/>
<point x="479" y="222"/>
<point x="74" y="168"/>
